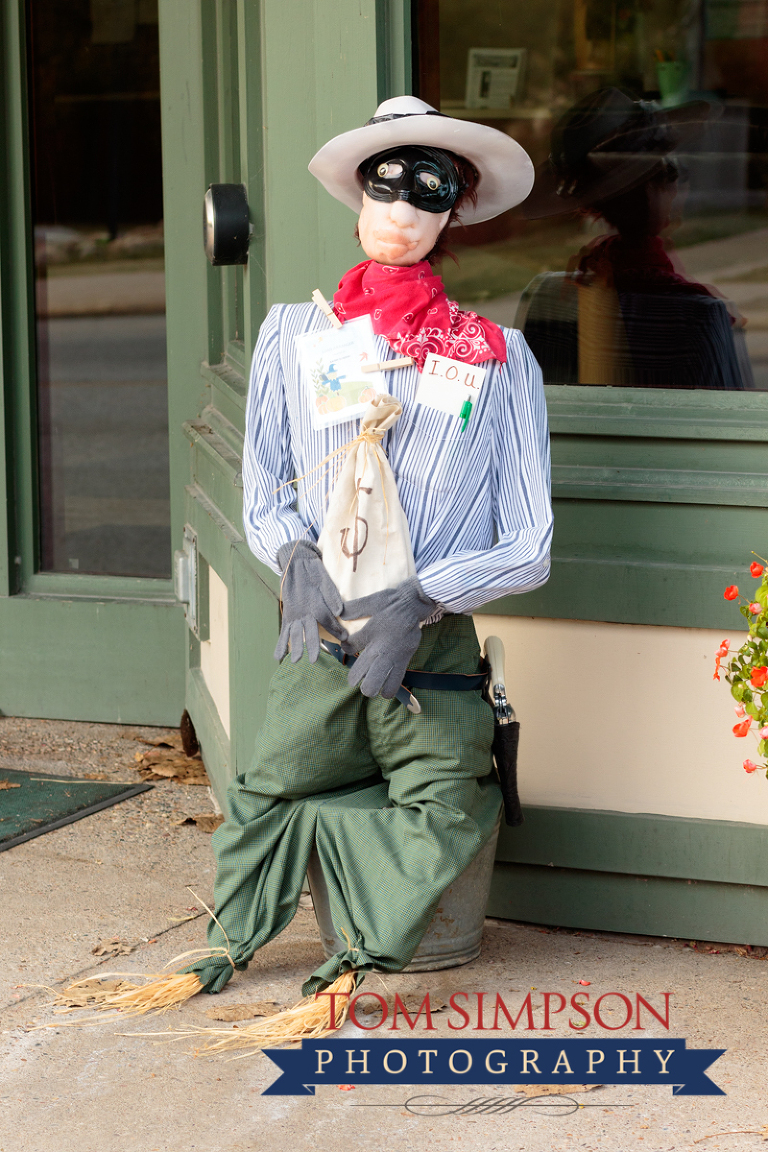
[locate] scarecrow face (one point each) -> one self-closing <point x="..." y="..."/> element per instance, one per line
<point x="396" y="233"/>
<point x="408" y="193"/>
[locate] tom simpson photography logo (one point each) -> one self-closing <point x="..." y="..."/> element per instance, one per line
<point x="390" y="1058"/>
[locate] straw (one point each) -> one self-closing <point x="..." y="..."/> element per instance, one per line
<point x="310" y="1019"/>
<point x="161" y="992"/>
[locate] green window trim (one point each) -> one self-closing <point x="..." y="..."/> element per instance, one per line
<point x="659" y="499"/>
<point x="705" y="415"/>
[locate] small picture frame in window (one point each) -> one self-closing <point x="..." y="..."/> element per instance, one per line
<point x="495" y="77"/>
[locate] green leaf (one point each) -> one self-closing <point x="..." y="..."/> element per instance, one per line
<point x="751" y="710"/>
<point x="737" y="690"/>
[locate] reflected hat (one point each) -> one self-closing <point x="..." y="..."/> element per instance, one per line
<point x="607" y="144"/>
<point x="505" y="169"/>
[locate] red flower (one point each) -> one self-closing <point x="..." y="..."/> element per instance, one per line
<point x="721" y="653"/>
<point x="750" y="766"/>
<point x="755" y="609"/>
<point x="731" y="592"/>
<point x="756" y="569"/>
<point x="758" y="676"/>
<point x="743" y="728"/>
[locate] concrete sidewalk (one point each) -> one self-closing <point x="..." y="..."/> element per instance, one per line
<point x="125" y="873"/>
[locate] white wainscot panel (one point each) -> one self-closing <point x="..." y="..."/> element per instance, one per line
<point x="214" y="652"/>
<point x="627" y="718"/>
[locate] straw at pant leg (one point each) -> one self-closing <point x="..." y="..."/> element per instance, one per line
<point x="312" y="745"/>
<point x="386" y="870"/>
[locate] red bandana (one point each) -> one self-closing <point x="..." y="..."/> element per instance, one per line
<point x="409" y="306"/>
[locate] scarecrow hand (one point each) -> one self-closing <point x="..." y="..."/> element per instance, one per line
<point x="389" y="639"/>
<point x="309" y="598"/>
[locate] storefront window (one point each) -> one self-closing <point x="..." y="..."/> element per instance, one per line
<point x="640" y="259"/>
<point x="94" y="120"/>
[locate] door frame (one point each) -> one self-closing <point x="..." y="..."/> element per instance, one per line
<point x="72" y="646"/>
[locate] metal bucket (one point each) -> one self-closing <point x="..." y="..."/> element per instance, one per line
<point x="452" y="938"/>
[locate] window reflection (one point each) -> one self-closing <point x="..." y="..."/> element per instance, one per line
<point x="100" y="286"/>
<point x="640" y="258"/>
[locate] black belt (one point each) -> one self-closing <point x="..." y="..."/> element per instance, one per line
<point x="434" y="681"/>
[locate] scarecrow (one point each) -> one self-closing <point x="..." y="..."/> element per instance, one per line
<point x="397" y="801"/>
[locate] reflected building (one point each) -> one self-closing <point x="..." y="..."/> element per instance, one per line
<point x="624" y="313"/>
<point x="650" y="268"/>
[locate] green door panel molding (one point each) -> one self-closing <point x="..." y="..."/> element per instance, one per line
<point x="646" y="905"/>
<point x="642" y="843"/>
<point x="117" y="662"/>
<point x="72" y="646"/>
<point x="18" y="448"/>
<point x="634" y="872"/>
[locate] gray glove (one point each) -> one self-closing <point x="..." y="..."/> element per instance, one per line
<point x="310" y="598"/>
<point x="389" y="639"/>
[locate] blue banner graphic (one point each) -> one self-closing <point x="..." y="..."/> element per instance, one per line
<point x="533" y="1061"/>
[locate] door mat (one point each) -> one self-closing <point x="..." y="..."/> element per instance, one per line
<point x="32" y="803"/>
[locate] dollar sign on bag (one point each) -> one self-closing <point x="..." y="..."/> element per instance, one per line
<point x="356" y="547"/>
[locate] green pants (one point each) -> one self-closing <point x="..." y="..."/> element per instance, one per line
<point x="398" y="805"/>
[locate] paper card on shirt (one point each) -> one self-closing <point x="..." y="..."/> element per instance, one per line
<point x="447" y="384"/>
<point x="331" y="362"/>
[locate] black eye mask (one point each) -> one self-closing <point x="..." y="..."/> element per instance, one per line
<point x="425" y="177"/>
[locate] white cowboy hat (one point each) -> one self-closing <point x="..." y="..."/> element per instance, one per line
<point x="506" y="171"/>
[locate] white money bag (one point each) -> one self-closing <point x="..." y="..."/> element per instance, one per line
<point x="365" y="541"/>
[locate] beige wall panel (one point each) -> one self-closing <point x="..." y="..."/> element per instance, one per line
<point x="626" y="718"/>
<point x="214" y="652"/>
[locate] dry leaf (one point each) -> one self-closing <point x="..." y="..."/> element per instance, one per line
<point x="205" y="821"/>
<point x="553" y="1089"/>
<point x="113" y="947"/>
<point x="171" y="741"/>
<point x="5" y="784"/>
<point x="233" y="1012"/>
<point x="412" y="1002"/>
<point x="83" y="996"/>
<point x="166" y="762"/>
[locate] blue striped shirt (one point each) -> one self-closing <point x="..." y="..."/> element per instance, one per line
<point x="477" y="502"/>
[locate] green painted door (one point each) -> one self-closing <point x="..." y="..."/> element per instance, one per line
<point x="89" y="624"/>
<point x="248" y="96"/>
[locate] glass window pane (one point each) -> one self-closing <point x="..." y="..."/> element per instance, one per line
<point x="100" y="286"/>
<point x="640" y="259"/>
